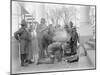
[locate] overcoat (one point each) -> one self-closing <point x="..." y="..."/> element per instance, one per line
<point x="22" y="36"/>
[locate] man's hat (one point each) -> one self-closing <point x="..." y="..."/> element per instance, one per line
<point x="23" y="23"/>
<point x="66" y="26"/>
<point x="43" y="20"/>
<point x="71" y="23"/>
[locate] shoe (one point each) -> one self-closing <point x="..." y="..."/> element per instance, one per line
<point x="52" y="60"/>
<point x="24" y="64"/>
<point x="26" y="61"/>
<point x="37" y="63"/>
<point x="30" y="62"/>
<point x="72" y="61"/>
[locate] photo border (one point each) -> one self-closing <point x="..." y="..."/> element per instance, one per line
<point x="51" y="3"/>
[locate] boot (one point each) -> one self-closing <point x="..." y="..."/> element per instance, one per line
<point x="29" y="62"/>
<point x="23" y="63"/>
<point x="72" y="61"/>
<point x="22" y="60"/>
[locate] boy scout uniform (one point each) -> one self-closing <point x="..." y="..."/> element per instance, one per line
<point x="72" y="48"/>
<point x="22" y="36"/>
<point x="74" y="40"/>
<point x="54" y="51"/>
<point x="73" y="43"/>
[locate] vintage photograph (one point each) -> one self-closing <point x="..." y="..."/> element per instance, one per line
<point x="51" y="37"/>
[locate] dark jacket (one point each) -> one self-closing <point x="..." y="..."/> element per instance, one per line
<point x="21" y="34"/>
<point x="73" y="42"/>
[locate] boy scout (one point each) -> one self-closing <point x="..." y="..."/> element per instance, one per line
<point x="54" y="51"/>
<point x="22" y="36"/>
<point x="72" y="43"/>
<point x="74" y="40"/>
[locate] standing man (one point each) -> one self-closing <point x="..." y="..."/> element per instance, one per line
<point x="47" y="39"/>
<point x="74" y="38"/>
<point x="22" y="36"/>
<point x="73" y="44"/>
<point x="40" y="31"/>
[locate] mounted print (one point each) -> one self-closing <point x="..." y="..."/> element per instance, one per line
<point x="52" y="37"/>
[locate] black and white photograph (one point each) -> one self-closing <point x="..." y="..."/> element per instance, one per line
<point x="52" y="37"/>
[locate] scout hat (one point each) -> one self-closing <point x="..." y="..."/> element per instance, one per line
<point x="23" y="23"/>
<point x="43" y="20"/>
